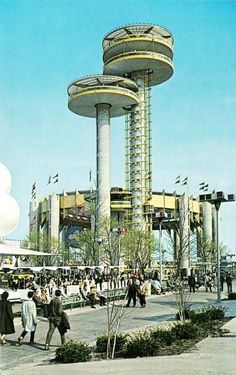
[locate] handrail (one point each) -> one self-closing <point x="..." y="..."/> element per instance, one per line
<point x="135" y="53"/>
<point x="120" y="40"/>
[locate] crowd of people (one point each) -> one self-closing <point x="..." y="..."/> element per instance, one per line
<point x="46" y="293"/>
<point x="209" y="281"/>
<point x="49" y="298"/>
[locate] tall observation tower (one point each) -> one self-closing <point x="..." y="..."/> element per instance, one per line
<point x="144" y="54"/>
<point x="102" y="97"/>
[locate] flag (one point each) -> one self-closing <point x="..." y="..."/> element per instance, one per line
<point x="185" y="181"/>
<point x="33" y="191"/>
<point x="203" y="186"/>
<point x="49" y="180"/>
<point x="177" y="180"/>
<point x="55" y="178"/>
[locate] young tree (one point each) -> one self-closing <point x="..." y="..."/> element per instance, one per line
<point x="87" y="247"/>
<point x="138" y="248"/>
<point x="42" y="242"/>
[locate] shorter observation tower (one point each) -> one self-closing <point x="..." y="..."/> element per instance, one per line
<point x="102" y="97"/>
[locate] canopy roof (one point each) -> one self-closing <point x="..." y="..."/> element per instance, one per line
<point x="12" y="250"/>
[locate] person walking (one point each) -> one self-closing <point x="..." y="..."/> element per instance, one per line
<point x="45" y="301"/>
<point x="6" y="318"/>
<point x="191" y="282"/>
<point x="132" y="291"/>
<point x="143" y="289"/>
<point x="28" y="318"/>
<point x="55" y="312"/>
<point x="222" y="280"/>
<point x="229" y="280"/>
<point x="208" y="282"/>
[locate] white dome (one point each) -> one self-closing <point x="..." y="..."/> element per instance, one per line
<point x="9" y="213"/>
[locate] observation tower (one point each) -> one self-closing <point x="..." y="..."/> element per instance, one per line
<point x="143" y="53"/>
<point x="102" y="97"/>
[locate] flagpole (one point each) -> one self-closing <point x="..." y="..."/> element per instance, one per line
<point x="189" y="229"/>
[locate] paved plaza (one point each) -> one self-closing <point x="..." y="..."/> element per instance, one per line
<point x="210" y="356"/>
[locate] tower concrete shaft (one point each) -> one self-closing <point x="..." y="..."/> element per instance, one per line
<point x="103" y="160"/>
<point x="138" y="152"/>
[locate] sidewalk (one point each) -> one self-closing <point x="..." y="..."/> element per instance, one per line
<point x="211" y="356"/>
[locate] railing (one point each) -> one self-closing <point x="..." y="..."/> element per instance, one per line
<point x="154" y="38"/>
<point x="135" y="53"/>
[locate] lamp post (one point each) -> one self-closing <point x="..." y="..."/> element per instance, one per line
<point x="217" y="198"/>
<point x="119" y="232"/>
<point x="99" y="240"/>
<point x="162" y="217"/>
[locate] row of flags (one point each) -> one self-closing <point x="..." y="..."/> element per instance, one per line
<point x="54" y="179"/>
<point x="51" y="179"/>
<point x="178" y="180"/>
<point x="202" y="186"/>
<point x="33" y="191"/>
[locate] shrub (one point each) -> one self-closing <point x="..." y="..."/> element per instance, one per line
<point x="186" y="331"/>
<point x="142" y="345"/>
<point x="101" y="343"/>
<point x="164" y="337"/>
<point x="217" y="312"/>
<point x="186" y="314"/>
<point x="232" y="296"/>
<point x="199" y="317"/>
<point x="207" y="313"/>
<point x="73" y="351"/>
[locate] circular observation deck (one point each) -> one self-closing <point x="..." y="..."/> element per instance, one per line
<point x="139" y="47"/>
<point x="85" y="93"/>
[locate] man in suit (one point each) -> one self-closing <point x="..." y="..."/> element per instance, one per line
<point x="55" y="316"/>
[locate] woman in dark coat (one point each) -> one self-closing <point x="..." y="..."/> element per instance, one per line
<point x="6" y="318"/>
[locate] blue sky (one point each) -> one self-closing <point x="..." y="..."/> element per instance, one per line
<point x="44" y="45"/>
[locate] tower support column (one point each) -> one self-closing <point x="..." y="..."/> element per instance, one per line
<point x="138" y="153"/>
<point x="103" y="161"/>
<point x="184" y="232"/>
<point x="54" y="217"/>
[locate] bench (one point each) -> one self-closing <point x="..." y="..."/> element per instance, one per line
<point x="165" y="287"/>
<point x="113" y="294"/>
<point x="74" y="300"/>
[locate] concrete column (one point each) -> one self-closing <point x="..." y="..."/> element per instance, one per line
<point x="214" y="224"/>
<point x="138" y="154"/>
<point x="33" y="222"/>
<point x="103" y="161"/>
<point x="207" y="220"/>
<point x="184" y="231"/>
<point x="54" y="216"/>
